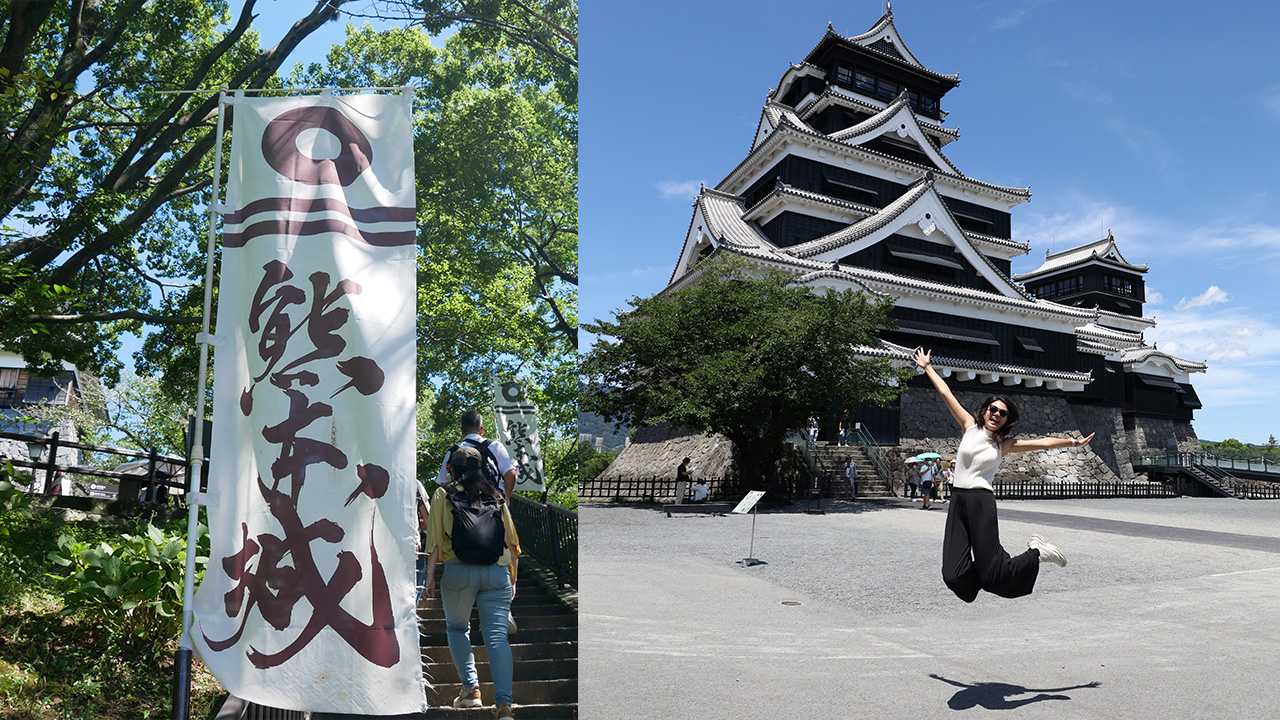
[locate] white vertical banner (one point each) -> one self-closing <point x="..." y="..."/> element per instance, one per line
<point x="308" y="599"/>
<point x="517" y="419"/>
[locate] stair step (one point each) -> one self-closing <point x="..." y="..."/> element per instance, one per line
<point x="534" y="635"/>
<point x="435" y="623"/>
<point x="520" y="652"/>
<point x="543" y="692"/>
<point x="523" y="670"/>
<point x="536" y="711"/>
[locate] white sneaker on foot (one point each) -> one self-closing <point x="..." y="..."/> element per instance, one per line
<point x="1048" y="553"/>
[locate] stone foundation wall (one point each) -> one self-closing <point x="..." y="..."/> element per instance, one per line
<point x="657" y="451"/>
<point x="1152" y="435"/>
<point x="927" y="426"/>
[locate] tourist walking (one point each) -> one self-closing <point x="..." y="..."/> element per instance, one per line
<point x="851" y="474"/>
<point x="972" y="557"/>
<point x="470" y="530"/>
<point x="498" y="467"/>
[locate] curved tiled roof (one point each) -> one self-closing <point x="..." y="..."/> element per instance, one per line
<point x="796" y="68"/>
<point x="1110" y="335"/>
<point x="1103" y="250"/>
<point x="786" y="125"/>
<point x="866" y="40"/>
<point x="782" y="189"/>
<point x="897" y="352"/>
<point x="879" y="120"/>
<point x="838" y="95"/>
<point x="863" y="227"/>
<point x="1138" y="356"/>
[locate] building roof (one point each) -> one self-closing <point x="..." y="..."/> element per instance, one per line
<point x="1102" y="251"/>
<point x="789" y="131"/>
<point x="884" y="40"/>
<point x="1006" y="373"/>
<point x="836" y="95"/>
<point x="722" y="217"/>
<point x="1148" y="358"/>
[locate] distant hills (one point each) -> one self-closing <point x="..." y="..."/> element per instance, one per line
<point x="596" y="425"/>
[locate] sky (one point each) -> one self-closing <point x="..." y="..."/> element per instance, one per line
<point x="1156" y="121"/>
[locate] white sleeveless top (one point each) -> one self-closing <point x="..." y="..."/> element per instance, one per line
<point x="977" y="459"/>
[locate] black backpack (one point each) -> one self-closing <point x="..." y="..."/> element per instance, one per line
<point x="478" y="534"/>
<point x="489" y="461"/>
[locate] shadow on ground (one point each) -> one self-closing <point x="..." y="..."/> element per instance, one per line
<point x="1003" y="696"/>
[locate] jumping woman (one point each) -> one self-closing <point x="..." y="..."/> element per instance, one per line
<point x="972" y="558"/>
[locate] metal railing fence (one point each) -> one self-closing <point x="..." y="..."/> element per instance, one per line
<point x="1226" y="462"/>
<point x="550" y="534"/>
<point x="1029" y="490"/>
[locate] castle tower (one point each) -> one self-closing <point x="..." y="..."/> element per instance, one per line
<point x="846" y="185"/>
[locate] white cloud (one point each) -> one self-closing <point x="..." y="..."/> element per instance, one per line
<point x="1271" y="101"/>
<point x="1153" y="297"/>
<point x="678" y="189"/>
<point x="1212" y="296"/>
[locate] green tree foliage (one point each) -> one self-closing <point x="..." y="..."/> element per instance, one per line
<point x="102" y="177"/>
<point x="135" y="413"/>
<point x="745" y="356"/>
<point x="592" y="462"/>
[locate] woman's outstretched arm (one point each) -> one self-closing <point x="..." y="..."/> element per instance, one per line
<point x="1014" y="445"/>
<point x="958" y="412"/>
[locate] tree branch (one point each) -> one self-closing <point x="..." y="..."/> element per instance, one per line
<point x="110" y="316"/>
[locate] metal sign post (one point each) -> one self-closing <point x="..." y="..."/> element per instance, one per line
<point x="750" y="503"/>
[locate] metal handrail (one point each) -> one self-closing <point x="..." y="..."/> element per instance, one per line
<point x="550" y="534"/>
<point x="874" y="453"/>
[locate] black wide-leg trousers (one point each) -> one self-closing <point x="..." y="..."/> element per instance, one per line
<point x="972" y="558"/>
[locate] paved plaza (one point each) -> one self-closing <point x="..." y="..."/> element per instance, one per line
<point x="1167" y="609"/>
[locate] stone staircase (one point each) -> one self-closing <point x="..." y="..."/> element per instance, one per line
<point x="869" y="484"/>
<point x="544" y="648"/>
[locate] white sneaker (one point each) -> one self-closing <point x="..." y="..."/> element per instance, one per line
<point x="1048" y="553"/>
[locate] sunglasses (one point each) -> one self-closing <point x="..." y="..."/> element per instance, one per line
<point x="998" y="412"/>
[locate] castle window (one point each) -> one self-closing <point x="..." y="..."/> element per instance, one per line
<point x="1118" y="285"/>
<point x="864" y="81"/>
<point x="886" y="89"/>
<point x="844" y="75"/>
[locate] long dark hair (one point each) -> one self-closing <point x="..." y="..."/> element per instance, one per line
<point x="1009" y="422"/>
<point x="468" y="476"/>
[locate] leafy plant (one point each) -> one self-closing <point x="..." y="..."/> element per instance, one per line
<point x="133" y="586"/>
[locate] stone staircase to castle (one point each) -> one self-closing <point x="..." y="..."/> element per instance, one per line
<point x="544" y="649"/>
<point x="869" y="483"/>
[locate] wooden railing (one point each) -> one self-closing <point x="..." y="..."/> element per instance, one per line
<point x="652" y="489"/>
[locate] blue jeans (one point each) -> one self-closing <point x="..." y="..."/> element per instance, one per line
<point x="461" y="588"/>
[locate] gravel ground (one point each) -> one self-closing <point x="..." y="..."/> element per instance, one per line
<point x="1163" y="611"/>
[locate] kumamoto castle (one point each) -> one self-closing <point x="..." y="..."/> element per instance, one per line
<point x="847" y="185"/>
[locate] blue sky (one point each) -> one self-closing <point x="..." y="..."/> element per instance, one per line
<point x="1156" y="121"/>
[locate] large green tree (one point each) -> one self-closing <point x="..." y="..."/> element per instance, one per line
<point x="741" y="354"/>
<point x="102" y="174"/>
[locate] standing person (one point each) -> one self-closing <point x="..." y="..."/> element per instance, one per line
<point x="949" y="478"/>
<point x="471" y="531"/>
<point x="851" y="474"/>
<point x="913" y="480"/>
<point x="499" y="468"/>
<point x="926" y="483"/>
<point x="682" y="472"/>
<point x="972" y="557"/>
